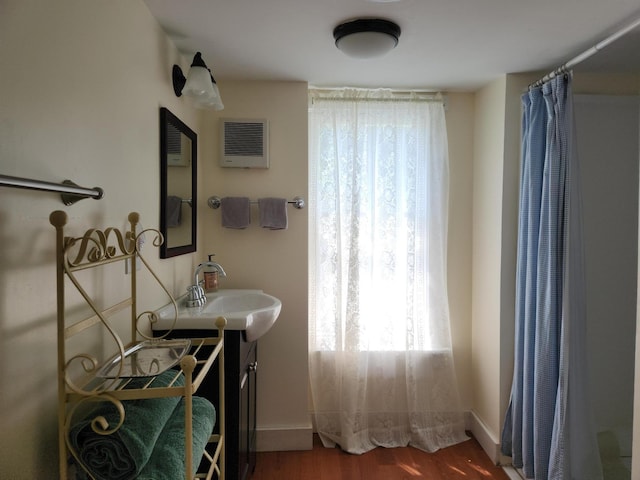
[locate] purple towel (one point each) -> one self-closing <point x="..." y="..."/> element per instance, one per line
<point x="273" y="213"/>
<point x="236" y="212"/>
<point x="173" y="211"/>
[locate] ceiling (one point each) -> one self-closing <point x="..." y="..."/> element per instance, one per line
<point x="455" y="45"/>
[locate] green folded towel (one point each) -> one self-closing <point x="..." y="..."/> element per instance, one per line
<point x="123" y="454"/>
<point x="167" y="461"/>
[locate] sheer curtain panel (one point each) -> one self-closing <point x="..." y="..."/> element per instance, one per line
<point x="381" y="364"/>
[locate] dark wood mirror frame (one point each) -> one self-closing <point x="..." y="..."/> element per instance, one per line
<point x="181" y="164"/>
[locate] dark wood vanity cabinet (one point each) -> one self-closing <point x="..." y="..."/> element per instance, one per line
<point x="246" y="391"/>
<point x="241" y="363"/>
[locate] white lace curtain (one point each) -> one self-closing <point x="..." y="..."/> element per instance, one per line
<point x="381" y="364"/>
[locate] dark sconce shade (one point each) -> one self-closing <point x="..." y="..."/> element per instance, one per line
<point x="367" y="37"/>
<point x="199" y="84"/>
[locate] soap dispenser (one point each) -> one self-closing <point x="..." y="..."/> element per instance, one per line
<point x="210" y="277"/>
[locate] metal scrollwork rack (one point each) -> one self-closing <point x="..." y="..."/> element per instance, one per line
<point x="85" y="378"/>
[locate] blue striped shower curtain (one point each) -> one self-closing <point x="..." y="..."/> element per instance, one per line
<point x="548" y="430"/>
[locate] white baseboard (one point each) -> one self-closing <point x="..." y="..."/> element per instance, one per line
<point x="513" y="474"/>
<point x="490" y="445"/>
<point x="276" y="439"/>
<point x="487" y="440"/>
<point x="279" y="439"/>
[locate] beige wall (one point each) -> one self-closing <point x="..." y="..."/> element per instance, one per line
<point x="460" y="131"/>
<point x="274" y="261"/>
<point x="495" y="215"/>
<point x="487" y="241"/>
<point x="515" y="86"/>
<point x="82" y="84"/>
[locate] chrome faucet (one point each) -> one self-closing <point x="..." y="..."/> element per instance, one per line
<point x="196" y="296"/>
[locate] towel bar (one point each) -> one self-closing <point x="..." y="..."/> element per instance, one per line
<point x="70" y="192"/>
<point x="215" y="202"/>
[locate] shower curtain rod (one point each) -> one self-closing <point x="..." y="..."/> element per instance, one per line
<point x="586" y="54"/>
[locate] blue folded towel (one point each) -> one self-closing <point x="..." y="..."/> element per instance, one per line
<point x="236" y="212"/>
<point x="273" y="213"/>
<point x="123" y="454"/>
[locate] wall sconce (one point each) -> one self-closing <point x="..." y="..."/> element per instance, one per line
<point x="366" y="37"/>
<point x="199" y="85"/>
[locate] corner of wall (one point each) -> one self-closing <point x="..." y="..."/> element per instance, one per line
<point x="488" y="166"/>
<point x="485" y="438"/>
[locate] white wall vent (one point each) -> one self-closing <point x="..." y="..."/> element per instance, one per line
<point x="245" y="143"/>
<point x="174" y="146"/>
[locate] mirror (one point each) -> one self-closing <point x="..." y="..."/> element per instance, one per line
<point x="178" y="194"/>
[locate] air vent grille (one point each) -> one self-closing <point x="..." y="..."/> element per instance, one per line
<point x="245" y="143"/>
<point x="174" y="140"/>
<point x="242" y="139"/>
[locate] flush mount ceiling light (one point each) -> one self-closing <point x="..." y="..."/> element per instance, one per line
<point x="366" y="37"/>
<point x="199" y="84"/>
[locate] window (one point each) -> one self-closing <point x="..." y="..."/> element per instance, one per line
<point x="379" y="198"/>
<point x="380" y="360"/>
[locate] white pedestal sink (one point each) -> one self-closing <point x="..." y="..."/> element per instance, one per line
<point x="253" y="311"/>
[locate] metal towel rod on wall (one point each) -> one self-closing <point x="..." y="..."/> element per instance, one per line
<point x="215" y="202"/>
<point x="70" y="192"/>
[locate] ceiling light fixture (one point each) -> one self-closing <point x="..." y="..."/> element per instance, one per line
<point x="199" y="84"/>
<point x="366" y="37"/>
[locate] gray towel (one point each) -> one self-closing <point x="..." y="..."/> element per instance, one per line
<point x="273" y="213"/>
<point x="174" y="211"/>
<point x="236" y="212"/>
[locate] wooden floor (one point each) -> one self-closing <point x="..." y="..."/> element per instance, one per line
<point x="465" y="461"/>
